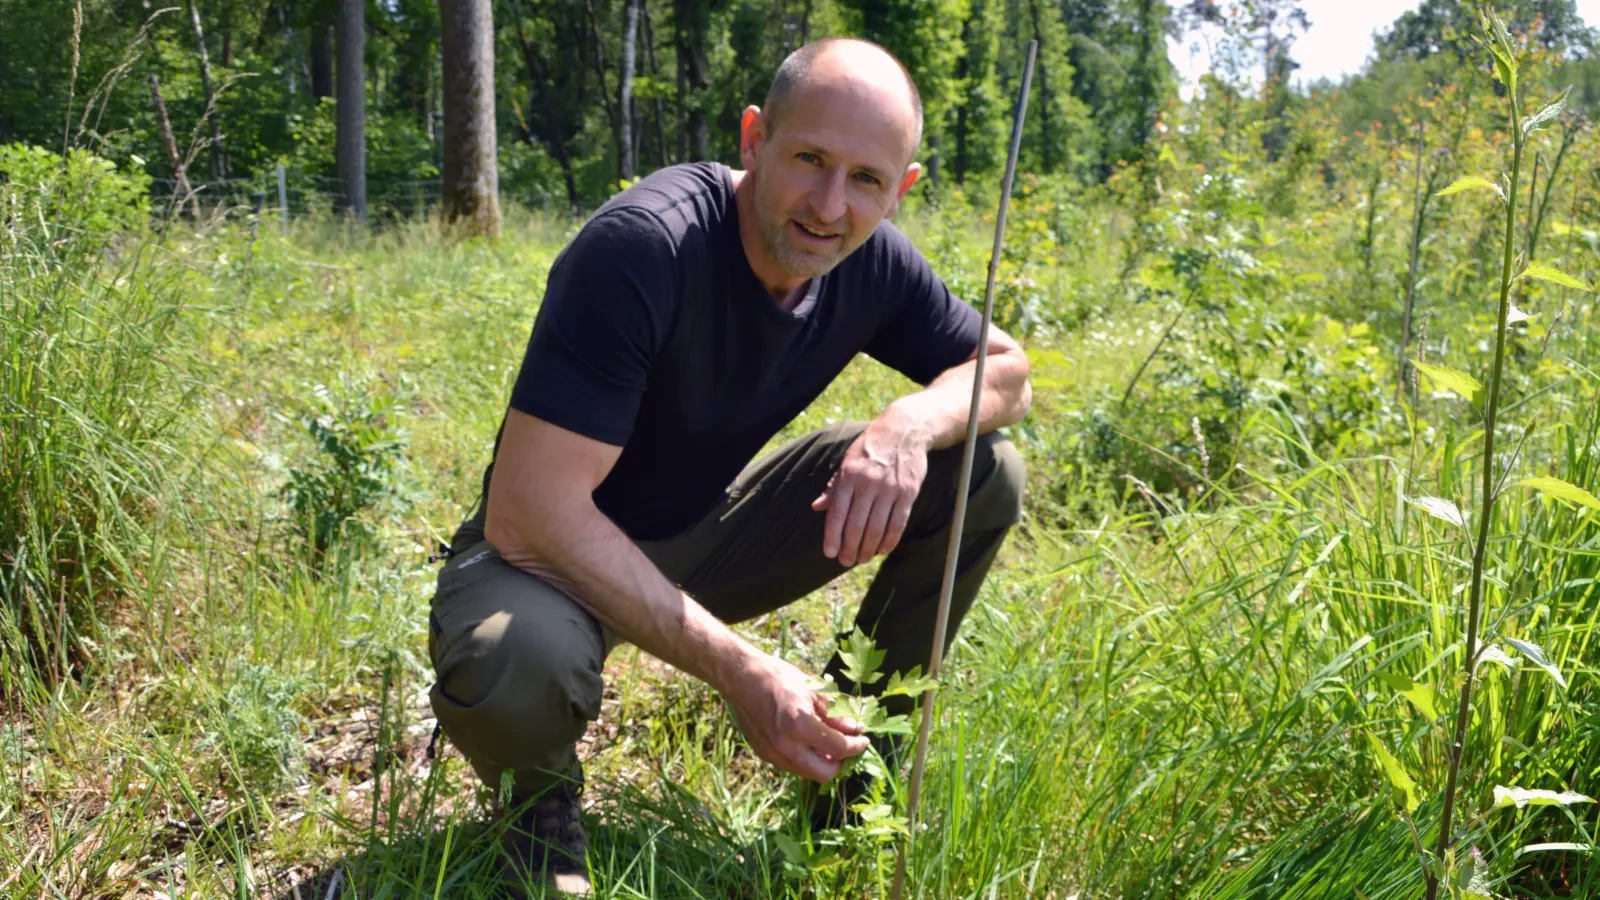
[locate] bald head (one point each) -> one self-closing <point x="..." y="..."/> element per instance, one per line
<point x="849" y="64"/>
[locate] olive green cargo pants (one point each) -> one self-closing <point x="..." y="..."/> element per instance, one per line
<point x="519" y="663"/>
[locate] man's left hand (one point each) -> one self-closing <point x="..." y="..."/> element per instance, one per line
<point x="869" y="499"/>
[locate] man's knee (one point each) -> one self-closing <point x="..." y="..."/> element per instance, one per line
<point x="994" y="496"/>
<point x="515" y="691"/>
<point x="1002" y="492"/>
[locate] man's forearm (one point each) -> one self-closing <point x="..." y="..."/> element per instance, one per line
<point x="579" y="550"/>
<point x="940" y="411"/>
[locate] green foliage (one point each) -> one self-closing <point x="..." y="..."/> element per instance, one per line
<point x="82" y="195"/>
<point x="1457" y="382"/>
<point x="1448" y="26"/>
<point x="256" y="730"/>
<point x="1405" y="787"/>
<point x="864" y="842"/>
<point x="355" y="471"/>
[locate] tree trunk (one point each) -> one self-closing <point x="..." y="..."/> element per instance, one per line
<point x="630" y="34"/>
<point x="321" y="62"/>
<point x="470" y="170"/>
<point x="350" y="141"/>
<point x="544" y="109"/>
<point x="598" y="60"/>
<point x="218" y="169"/>
<point x="655" y="72"/>
<point x="182" y="194"/>
<point x="683" y="88"/>
<point x="428" y="106"/>
<point x="1045" y="98"/>
<point x="693" y="23"/>
<point x="291" y="52"/>
<point x="963" y="72"/>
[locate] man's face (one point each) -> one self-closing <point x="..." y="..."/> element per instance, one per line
<point x="834" y="166"/>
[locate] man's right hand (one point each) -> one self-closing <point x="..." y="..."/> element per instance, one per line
<point x="787" y="723"/>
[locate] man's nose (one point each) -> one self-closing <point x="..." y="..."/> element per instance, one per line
<point x="828" y="197"/>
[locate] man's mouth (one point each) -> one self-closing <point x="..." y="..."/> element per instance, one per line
<point x="816" y="234"/>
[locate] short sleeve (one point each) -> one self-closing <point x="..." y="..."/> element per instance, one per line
<point x="926" y="329"/>
<point x="606" y="309"/>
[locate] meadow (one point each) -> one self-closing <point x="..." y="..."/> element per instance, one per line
<point x="1219" y="659"/>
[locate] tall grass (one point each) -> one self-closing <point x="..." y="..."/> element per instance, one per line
<point x="91" y="394"/>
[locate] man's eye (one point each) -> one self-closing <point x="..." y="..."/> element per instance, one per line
<point x="807" y="158"/>
<point x="866" y="178"/>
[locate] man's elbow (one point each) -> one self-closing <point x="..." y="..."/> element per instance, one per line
<point x="1023" y="392"/>
<point x="1024" y="402"/>
<point x="495" y="529"/>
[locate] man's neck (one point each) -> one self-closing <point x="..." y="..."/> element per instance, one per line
<point x="784" y="289"/>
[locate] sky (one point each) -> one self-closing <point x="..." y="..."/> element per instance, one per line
<point x="1338" y="42"/>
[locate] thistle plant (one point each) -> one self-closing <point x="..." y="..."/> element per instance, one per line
<point x="1465" y="874"/>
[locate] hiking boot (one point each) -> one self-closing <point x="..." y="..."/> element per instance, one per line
<point x="544" y="843"/>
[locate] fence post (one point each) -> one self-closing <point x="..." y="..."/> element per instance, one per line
<point x="283" y="200"/>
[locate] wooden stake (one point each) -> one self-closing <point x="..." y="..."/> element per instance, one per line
<point x="968" y="449"/>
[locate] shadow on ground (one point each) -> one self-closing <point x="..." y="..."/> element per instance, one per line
<point x="656" y="851"/>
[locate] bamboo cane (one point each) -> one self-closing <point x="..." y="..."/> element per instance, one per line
<point x="963" y="481"/>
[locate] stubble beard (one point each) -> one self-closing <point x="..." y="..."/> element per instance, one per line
<point x="776" y="237"/>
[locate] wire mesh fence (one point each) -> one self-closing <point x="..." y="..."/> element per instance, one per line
<point x="283" y="194"/>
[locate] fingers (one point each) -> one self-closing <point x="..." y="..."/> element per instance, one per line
<point x="896" y="527"/>
<point x="829" y="741"/>
<point x="848" y="726"/>
<point x="838" y="505"/>
<point x="872" y="542"/>
<point x="821" y="503"/>
<point x="855" y="528"/>
<point x="806" y="762"/>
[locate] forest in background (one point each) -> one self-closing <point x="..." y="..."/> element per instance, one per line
<point x="589" y="93"/>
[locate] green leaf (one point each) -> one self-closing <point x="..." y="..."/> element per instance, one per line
<point x="1472" y="877"/>
<point x="1405" y="788"/>
<point x="1499" y="44"/>
<point x="861" y="659"/>
<point x="1420" y="695"/>
<point x="912" y="685"/>
<point x="1492" y="653"/>
<point x="1520" y="797"/>
<point x="1561" y="490"/>
<point x="1554" y="276"/>
<point x="893" y="725"/>
<point x="1504" y="71"/>
<point x="849" y="706"/>
<point x="1460" y="383"/>
<point x="1553" y="109"/>
<point x="1471" y="182"/>
<point x="789" y="848"/>
<point x="1535" y="655"/>
<point x="1563" y="845"/>
<point x="1441" y="509"/>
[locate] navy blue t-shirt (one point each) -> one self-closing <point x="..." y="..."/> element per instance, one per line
<point x="656" y="336"/>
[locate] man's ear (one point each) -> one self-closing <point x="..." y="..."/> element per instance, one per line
<point x="909" y="179"/>
<point x="752" y="132"/>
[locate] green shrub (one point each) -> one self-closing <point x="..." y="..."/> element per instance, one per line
<point x="82" y="196"/>
<point x="354" y="471"/>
